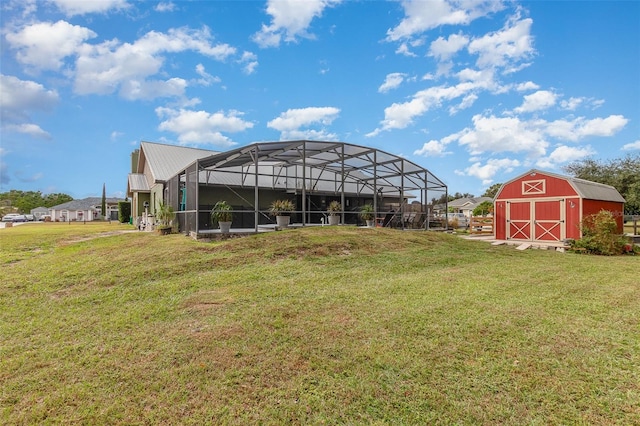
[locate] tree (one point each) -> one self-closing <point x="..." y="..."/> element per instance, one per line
<point x="104" y="201"/>
<point x="25" y="201"/>
<point x="622" y="173"/>
<point x="483" y="208"/>
<point x="492" y="191"/>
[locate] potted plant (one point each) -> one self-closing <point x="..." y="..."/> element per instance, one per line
<point x="367" y="214"/>
<point x="334" y="209"/>
<point x="222" y="215"/>
<point x="282" y="209"/>
<point x="165" y="216"/>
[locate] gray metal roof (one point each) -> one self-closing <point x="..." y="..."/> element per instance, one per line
<point x="85" y="203"/>
<point x="138" y="183"/>
<point x="167" y="160"/>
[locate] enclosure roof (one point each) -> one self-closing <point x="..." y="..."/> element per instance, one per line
<point x="359" y="163"/>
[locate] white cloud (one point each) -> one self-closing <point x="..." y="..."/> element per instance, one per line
<point x="290" y="19"/>
<point x="433" y="148"/>
<point x="542" y="99"/>
<point x="111" y="66"/>
<point x="422" y="16"/>
<point x="290" y="122"/>
<point x="18" y="98"/>
<point x="403" y="49"/>
<point x="503" y="134"/>
<point x="505" y="48"/>
<point x="487" y="171"/>
<point x="202" y="127"/>
<point x="206" y="78"/>
<point x="392" y="81"/>
<point x="467" y="102"/>
<point x="444" y="49"/>
<point x="82" y="7"/>
<point x="165" y="7"/>
<point x="631" y="146"/>
<point x="29" y="129"/>
<point x="580" y="128"/>
<point x="250" y="62"/>
<point x="564" y="154"/>
<point x="400" y="115"/>
<point x="526" y="86"/>
<point x="44" y="45"/>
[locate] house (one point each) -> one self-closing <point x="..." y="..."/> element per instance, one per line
<point x="312" y="174"/>
<point x="466" y="206"/>
<point x="545" y="207"/>
<point x="151" y="167"/>
<point x="87" y="209"/>
<point x="38" y="212"/>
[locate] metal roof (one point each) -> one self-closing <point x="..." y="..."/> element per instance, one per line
<point x="320" y="165"/>
<point x="138" y="183"/>
<point x="165" y="161"/>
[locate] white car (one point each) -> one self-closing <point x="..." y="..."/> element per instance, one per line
<point x="14" y="217"/>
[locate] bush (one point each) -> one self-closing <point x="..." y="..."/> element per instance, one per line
<point x="600" y="236"/>
<point x="124" y="211"/>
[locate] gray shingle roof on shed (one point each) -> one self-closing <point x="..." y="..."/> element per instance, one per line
<point x="167" y="160"/>
<point x="596" y="191"/>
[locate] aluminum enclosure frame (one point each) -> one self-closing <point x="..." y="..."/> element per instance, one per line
<point x="301" y="167"/>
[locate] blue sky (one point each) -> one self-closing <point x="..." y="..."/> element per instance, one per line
<point x="476" y="91"/>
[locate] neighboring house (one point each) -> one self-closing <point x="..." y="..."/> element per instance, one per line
<point x="467" y="205"/>
<point x="87" y="209"/>
<point x="542" y="206"/>
<point x="38" y="212"/>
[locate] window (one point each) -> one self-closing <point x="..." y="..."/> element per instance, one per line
<point x="534" y="187"/>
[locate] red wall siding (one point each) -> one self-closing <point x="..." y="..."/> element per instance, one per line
<point x="572" y="217"/>
<point x="555" y="187"/>
<point x="594" y="206"/>
<point x="500" y="220"/>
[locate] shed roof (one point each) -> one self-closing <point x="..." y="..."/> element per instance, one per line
<point x="586" y="189"/>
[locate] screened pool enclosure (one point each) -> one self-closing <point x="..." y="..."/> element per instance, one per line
<point x="311" y="174"/>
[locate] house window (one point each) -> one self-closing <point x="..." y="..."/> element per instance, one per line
<point x="534" y="187"/>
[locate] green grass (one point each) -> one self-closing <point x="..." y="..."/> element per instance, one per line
<point x="332" y="325"/>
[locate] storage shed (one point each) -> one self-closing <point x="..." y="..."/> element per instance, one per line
<point x="545" y="207"/>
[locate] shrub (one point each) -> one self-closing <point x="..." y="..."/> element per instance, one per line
<point x="282" y="208"/>
<point x="600" y="236"/>
<point x="124" y="211"/>
<point x="221" y="212"/>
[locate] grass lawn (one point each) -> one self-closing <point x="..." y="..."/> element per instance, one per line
<point x="333" y="325"/>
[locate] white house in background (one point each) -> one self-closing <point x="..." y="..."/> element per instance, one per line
<point x="87" y="209"/>
<point x="38" y="212"/>
<point x="467" y="205"/>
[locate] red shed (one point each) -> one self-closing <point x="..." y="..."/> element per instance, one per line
<point x="541" y="206"/>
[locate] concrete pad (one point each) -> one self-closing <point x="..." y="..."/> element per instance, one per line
<point x="523" y="246"/>
<point x="497" y="243"/>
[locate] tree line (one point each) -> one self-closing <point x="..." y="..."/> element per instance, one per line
<point x="25" y="201"/>
<point x="621" y="173"/>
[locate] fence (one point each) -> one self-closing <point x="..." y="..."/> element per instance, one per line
<point x="481" y="225"/>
